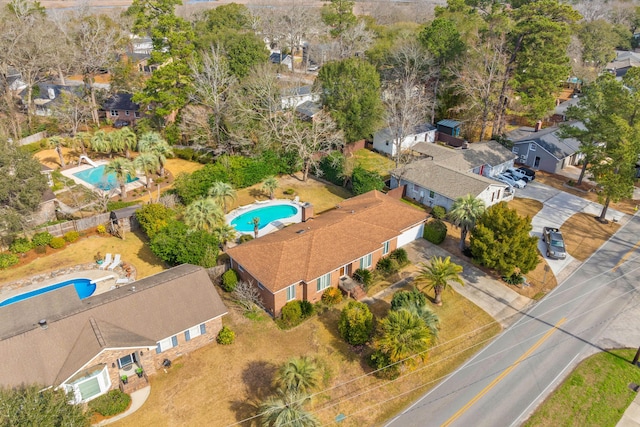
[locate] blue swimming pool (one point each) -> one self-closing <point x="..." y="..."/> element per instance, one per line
<point x="84" y="288"/>
<point x="266" y="214"/>
<point x="96" y="177"/>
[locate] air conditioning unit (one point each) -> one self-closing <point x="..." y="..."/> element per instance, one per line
<point x="523" y="158"/>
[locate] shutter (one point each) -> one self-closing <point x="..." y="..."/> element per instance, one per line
<point x="203" y="329"/>
<point x="158" y="349"/>
<point x="174" y="341"/>
<point x="187" y="335"/>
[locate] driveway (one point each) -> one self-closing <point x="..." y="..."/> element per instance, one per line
<point x="559" y="206"/>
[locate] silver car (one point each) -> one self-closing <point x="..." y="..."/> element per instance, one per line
<point x="554" y="241"/>
<point x="511" y="180"/>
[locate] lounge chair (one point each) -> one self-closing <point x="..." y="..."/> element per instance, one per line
<point x="115" y="263"/>
<point x="123" y="281"/>
<point x="106" y="262"/>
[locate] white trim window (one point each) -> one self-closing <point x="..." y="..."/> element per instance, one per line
<point x="532" y="147"/>
<point x="166" y="344"/>
<point x="385" y="248"/>
<point x="126" y="112"/>
<point x="323" y="282"/>
<point x="114" y="113"/>
<point x="195" y="331"/>
<point x="432" y="194"/>
<point x="514" y="150"/>
<point x="365" y="261"/>
<point x="291" y="292"/>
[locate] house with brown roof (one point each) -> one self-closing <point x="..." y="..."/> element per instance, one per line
<point x="301" y="261"/>
<point x="88" y="345"/>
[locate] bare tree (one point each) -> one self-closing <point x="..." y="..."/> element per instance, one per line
<point x="195" y="125"/>
<point x="247" y="296"/>
<point x="72" y="112"/>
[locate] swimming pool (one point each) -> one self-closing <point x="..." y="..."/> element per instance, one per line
<point x="267" y="215"/>
<point x="96" y="177"/>
<point x="84" y="288"/>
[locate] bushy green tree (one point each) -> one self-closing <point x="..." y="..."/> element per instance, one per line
<point x="364" y="181"/>
<point x="153" y="217"/>
<point x="35" y="405"/>
<point x="501" y="241"/>
<point x="351" y="92"/>
<point x="356" y="323"/>
<point x="176" y="244"/>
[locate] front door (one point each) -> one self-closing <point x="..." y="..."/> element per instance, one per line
<point x="536" y="163"/>
<point x="342" y="269"/>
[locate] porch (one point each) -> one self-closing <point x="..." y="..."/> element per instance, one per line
<point x="132" y="378"/>
<point x="352" y="288"/>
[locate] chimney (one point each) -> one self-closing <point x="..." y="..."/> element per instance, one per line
<point x="307" y="212"/>
<point x="538" y="126"/>
<point x="52" y="93"/>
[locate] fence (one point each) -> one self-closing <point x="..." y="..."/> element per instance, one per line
<point x="59" y="230"/>
<point x="32" y="138"/>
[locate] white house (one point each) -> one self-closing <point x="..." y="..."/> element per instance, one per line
<point x="385" y="140"/>
<point x="293" y="97"/>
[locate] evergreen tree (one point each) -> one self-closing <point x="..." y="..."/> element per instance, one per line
<point x="356" y="323"/>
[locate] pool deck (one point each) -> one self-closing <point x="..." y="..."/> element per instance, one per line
<point x="272" y="226"/>
<point x="69" y="173"/>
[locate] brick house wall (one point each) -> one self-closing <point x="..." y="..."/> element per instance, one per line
<point x="212" y="328"/>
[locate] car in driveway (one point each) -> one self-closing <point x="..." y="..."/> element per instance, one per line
<point x="528" y="172"/>
<point x="508" y="179"/>
<point x="510" y="174"/>
<point x="521" y="175"/>
<point x="554" y="242"/>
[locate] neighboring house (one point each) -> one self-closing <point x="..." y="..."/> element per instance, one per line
<point x="433" y="184"/>
<point x="47" y="95"/>
<point x="46" y="210"/>
<point x="280" y="59"/>
<point x="300" y="261"/>
<point x="293" y="97"/>
<point x="544" y="149"/>
<point x="308" y="110"/>
<point x="86" y="346"/>
<point x="385" y="140"/>
<point x="121" y="108"/>
<point x="624" y="61"/>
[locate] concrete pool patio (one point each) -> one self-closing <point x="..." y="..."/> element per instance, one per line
<point x="275" y="224"/>
<point x="69" y="173"/>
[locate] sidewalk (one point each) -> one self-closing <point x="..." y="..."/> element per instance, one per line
<point x="137" y="400"/>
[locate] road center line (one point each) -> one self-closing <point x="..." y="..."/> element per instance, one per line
<point x="504" y="373"/>
<point x="625" y="256"/>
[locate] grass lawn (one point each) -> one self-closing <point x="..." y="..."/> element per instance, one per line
<point x="220" y="385"/>
<point x="583" y="234"/>
<point x="374" y="162"/>
<point x="525" y="207"/>
<point x="133" y="249"/>
<point x="595" y="394"/>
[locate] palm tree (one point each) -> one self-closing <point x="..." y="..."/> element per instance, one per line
<point x="152" y="142"/>
<point x="403" y="336"/>
<point x="270" y="184"/>
<point x="116" y="143"/>
<point x="146" y="163"/>
<point x="299" y="373"/>
<point x="222" y="191"/>
<point x="100" y="142"/>
<point x="129" y="141"/>
<point x="57" y="142"/>
<point x="203" y="214"/>
<point x="122" y="168"/>
<point x="225" y="233"/>
<point x="286" y="408"/>
<point x="83" y="139"/>
<point x="256" y="226"/>
<point x="464" y="213"/>
<point x="438" y="274"/>
<point x="430" y="318"/>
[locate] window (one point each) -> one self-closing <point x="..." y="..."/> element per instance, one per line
<point x="431" y="194"/>
<point x="365" y="261"/>
<point x="126" y="361"/>
<point x="323" y="282"/>
<point x="514" y="150"/>
<point x="261" y="286"/>
<point x="385" y="248"/>
<point x="532" y="147"/>
<point x="114" y="113"/>
<point x="166" y="344"/>
<point x="291" y="292"/>
<point x="136" y="114"/>
<point x="126" y="112"/>
<point x="196" y="331"/>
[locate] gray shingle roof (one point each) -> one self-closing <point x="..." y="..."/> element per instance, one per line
<point x="478" y="154"/>
<point x="547" y="139"/>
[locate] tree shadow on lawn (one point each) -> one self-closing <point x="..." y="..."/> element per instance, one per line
<point x="258" y="377"/>
<point x="329" y="320"/>
<point x="256" y="193"/>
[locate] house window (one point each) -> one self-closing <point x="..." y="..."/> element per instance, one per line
<point x="323" y="282"/>
<point x="260" y="286"/>
<point x="365" y="261"/>
<point x="432" y="194"/>
<point x="415" y="138"/>
<point x="532" y="147"/>
<point x="196" y="331"/>
<point x="385" y="248"/>
<point x="126" y="112"/>
<point x="514" y="150"/>
<point x="166" y="344"/>
<point x="114" y="113"/>
<point x="240" y="269"/>
<point x="136" y="114"/>
<point x="125" y="361"/>
<point x="291" y="292"/>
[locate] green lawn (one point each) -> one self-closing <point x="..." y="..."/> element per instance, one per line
<point x="374" y="162"/>
<point x="595" y="394"/>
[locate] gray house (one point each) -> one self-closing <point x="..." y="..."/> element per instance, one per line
<point x="544" y="149"/>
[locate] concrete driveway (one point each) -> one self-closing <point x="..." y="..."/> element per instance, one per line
<point x="559" y="206"/>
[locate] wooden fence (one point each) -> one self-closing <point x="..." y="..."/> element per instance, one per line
<point x="59" y="230"/>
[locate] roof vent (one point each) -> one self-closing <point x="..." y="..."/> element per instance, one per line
<point x="133" y="289"/>
<point x="300" y="231"/>
<point x="43" y="323"/>
<point x="352" y="211"/>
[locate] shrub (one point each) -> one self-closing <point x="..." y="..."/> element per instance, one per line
<point x="356" y="323"/>
<point x="400" y="255"/>
<point x="332" y="296"/>
<point x="112" y="403"/>
<point x="57" y="243"/>
<point x="245" y="238"/>
<point x="307" y="308"/>
<point x="332" y="167"/>
<point x="403" y="298"/>
<point x="289" y="192"/>
<point x="7" y="260"/>
<point x="20" y="245"/>
<point x="226" y="336"/>
<point x="387" y="265"/>
<point x="514" y="279"/>
<point x="382" y="364"/>
<point x="101" y="229"/>
<point x="229" y="280"/>
<point x="363" y="276"/>
<point x="41" y="239"/>
<point x="438" y="212"/>
<point x="292" y="313"/>
<point x="364" y="181"/>
<point x="435" y="231"/>
<point x="71" y="236"/>
<point x="153" y="217"/>
<point x="176" y="244"/>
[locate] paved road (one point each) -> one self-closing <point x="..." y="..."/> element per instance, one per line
<point x="502" y="385"/>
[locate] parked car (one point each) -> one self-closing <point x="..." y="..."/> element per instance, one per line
<point x="523" y="182"/>
<point x="508" y="179"/>
<point x="529" y="172"/>
<point x="554" y="241"/>
<point x="520" y="175"/>
<point x="120" y="124"/>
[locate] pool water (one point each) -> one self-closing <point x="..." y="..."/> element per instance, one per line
<point x="84" y="288"/>
<point x="266" y="214"/>
<point x="96" y="177"/>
